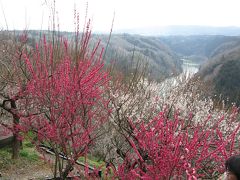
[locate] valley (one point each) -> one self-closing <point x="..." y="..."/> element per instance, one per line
<point x="120" y="90"/>
<point x="187" y="74"/>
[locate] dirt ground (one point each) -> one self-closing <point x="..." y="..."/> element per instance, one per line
<point x="35" y="171"/>
<point x="40" y="170"/>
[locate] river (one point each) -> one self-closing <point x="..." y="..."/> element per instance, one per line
<point x="189" y="67"/>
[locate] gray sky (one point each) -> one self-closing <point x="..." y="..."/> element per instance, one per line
<point x="34" y="14"/>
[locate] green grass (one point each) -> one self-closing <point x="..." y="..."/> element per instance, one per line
<point x="92" y="161"/>
<point x="28" y="144"/>
<point x="27" y="155"/>
<point x="28" y="152"/>
<point x="5" y="160"/>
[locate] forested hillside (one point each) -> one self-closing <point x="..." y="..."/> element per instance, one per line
<point x="162" y="61"/>
<point x="127" y="51"/>
<point x="200" y="48"/>
<point x="222" y="74"/>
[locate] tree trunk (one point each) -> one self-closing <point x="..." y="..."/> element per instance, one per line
<point x="15" y="147"/>
<point x="68" y="169"/>
<point x="16" y="142"/>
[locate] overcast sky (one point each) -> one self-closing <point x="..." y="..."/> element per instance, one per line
<point x="34" y="14"/>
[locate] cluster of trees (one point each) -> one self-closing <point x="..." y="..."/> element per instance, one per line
<point x="61" y="92"/>
<point x="172" y="148"/>
<point x="228" y="83"/>
<point x="221" y="75"/>
<point x="205" y="46"/>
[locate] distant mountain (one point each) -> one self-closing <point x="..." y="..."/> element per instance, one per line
<point x="200" y="48"/>
<point x="162" y="61"/>
<point x="183" y="31"/>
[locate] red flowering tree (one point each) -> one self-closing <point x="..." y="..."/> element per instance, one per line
<point x="64" y="101"/>
<point x="172" y="148"/>
<point x="11" y="79"/>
